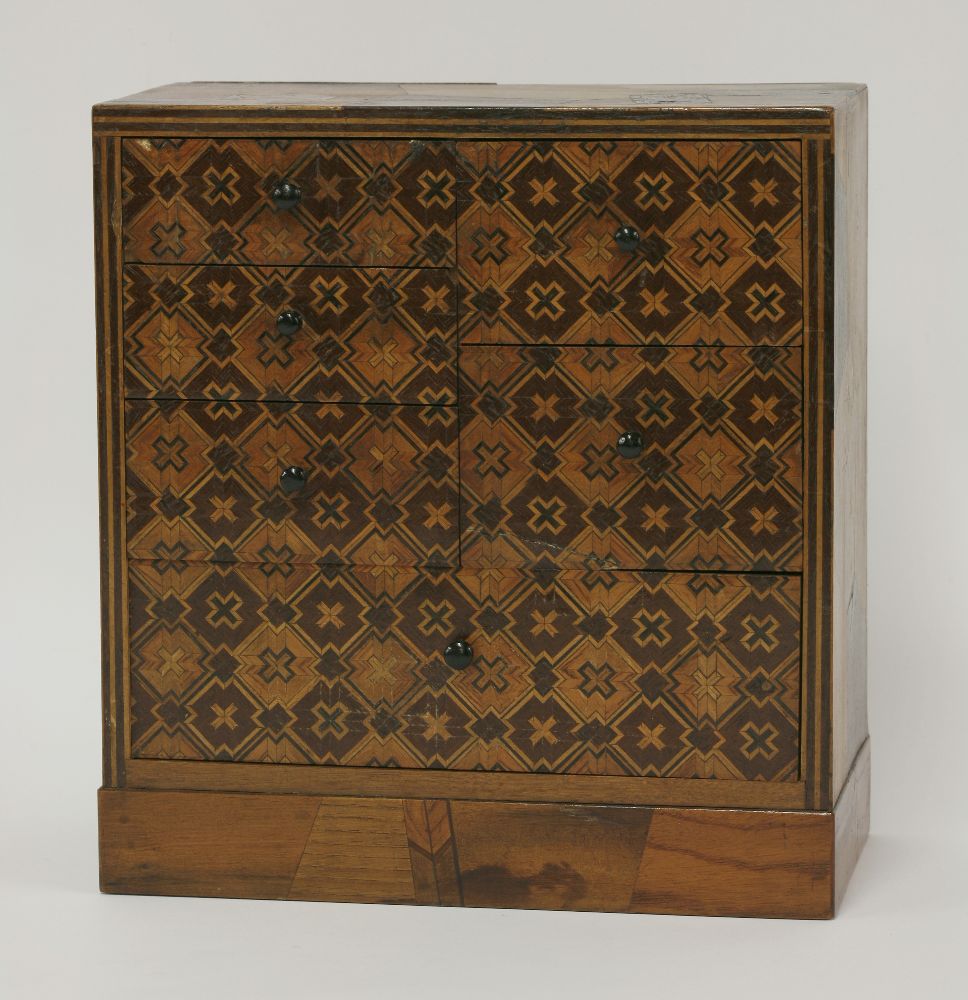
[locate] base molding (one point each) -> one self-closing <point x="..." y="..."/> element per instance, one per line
<point x="531" y="855"/>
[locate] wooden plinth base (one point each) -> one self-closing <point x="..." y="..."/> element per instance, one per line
<point x="637" y="859"/>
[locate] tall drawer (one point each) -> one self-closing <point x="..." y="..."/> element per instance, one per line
<point x="631" y="458"/>
<point x="217" y="482"/>
<point x="601" y="241"/>
<point x="371" y="202"/>
<point x="669" y="675"/>
<point x="304" y="333"/>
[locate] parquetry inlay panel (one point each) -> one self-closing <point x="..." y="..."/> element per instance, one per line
<point x="367" y="335"/>
<point x="309" y="628"/>
<point x="719" y="260"/>
<point x="203" y="483"/>
<point x="718" y="484"/>
<point x="686" y="675"/>
<point x="370" y="202"/>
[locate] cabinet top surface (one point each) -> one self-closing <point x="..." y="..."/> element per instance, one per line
<point x="807" y="98"/>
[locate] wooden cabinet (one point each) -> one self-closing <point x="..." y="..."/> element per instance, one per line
<point x="481" y="494"/>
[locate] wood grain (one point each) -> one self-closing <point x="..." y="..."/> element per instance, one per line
<point x="650" y="674"/>
<point x="717" y="486"/>
<point x="357" y="850"/>
<point x="369" y="203"/>
<point x="526" y="855"/>
<point x="111" y="473"/>
<point x="799" y="100"/>
<point x="849" y="514"/>
<point x="193" y="843"/>
<point x="367" y="335"/>
<point x="434" y="782"/>
<point x="204" y="483"/>
<point x="718" y="258"/>
<point x="433" y="857"/>
<point x="852" y="820"/>
<point x="445" y="110"/>
<point x="549" y="857"/>
<point x="750" y="202"/>
<point x="725" y="863"/>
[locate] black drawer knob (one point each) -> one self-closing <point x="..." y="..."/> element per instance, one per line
<point x="286" y="194"/>
<point x="458" y="654"/>
<point x="288" y="322"/>
<point x="627" y="237"/>
<point x="630" y="444"/>
<point x="292" y="480"/>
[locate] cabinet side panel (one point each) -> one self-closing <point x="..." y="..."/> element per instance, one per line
<point x="852" y="820"/>
<point x="849" y="665"/>
<point x="107" y="223"/>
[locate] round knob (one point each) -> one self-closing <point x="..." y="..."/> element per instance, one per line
<point x="292" y="480"/>
<point x="627" y="237"/>
<point x="288" y="322"/>
<point x="630" y="444"/>
<point x="458" y="654"/>
<point x="285" y="194"/>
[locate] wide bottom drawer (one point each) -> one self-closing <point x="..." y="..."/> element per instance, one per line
<point x="643" y="674"/>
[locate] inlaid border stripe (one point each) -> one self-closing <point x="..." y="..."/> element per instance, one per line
<point x="818" y="430"/>
<point x="523" y="130"/>
<point x="107" y="187"/>
<point x="825" y="527"/>
<point x="815" y="665"/>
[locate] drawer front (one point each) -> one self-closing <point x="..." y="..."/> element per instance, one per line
<point x="223" y="331"/>
<point x="203" y="483"/>
<point x="368" y="202"/>
<point x="717" y="484"/>
<point x="674" y="675"/>
<point x="718" y="257"/>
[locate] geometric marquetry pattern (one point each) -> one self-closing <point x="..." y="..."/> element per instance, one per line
<point x="718" y="485"/>
<point x="309" y="628"/>
<point x="203" y="483"/>
<point x="369" y="202"/>
<point x="683" y="675"/>
<point x="719" y="259"/>
<point x="368" y="335"/>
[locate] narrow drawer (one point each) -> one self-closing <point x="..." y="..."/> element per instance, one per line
<point x="631" y="458"/>
<point x="676" y="242"/>
<point x="376" y="485"/>
<point x="317" y="334"/>
<point x="662" y="675"/>
<point x="369" y="202"/>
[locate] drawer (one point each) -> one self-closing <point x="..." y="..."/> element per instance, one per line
<point x="205" y="482"/>
<point x="665" y="675"/>
<point x="711" y="253"/>
<point x="711" y="479"/>
<point x="369" y="202"/>
<point x="304" y="333"/>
